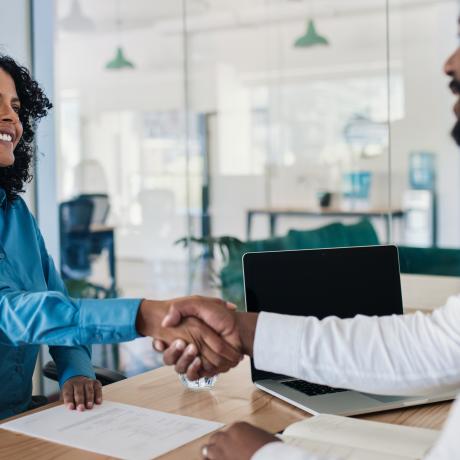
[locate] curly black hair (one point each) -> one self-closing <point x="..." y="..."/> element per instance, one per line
<point x="34" y="106"/>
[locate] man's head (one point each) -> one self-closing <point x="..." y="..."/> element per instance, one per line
<point x="452" y="69"/>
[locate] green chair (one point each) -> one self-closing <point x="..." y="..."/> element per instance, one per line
<point x="429" y="261"/>
<point x="425" y="261"/>
<point x="329" y="236"/>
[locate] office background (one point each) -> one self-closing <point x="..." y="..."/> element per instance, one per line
<point x="191" y="115"/>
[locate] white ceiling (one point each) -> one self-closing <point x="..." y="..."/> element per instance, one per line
<point x="137" y="14"/>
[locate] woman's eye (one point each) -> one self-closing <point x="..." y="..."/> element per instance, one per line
<point x="16" y="108"/>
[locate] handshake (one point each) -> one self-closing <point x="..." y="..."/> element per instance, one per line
<point x="201" y="336"/>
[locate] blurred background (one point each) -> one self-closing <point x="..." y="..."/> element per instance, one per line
<point x="188" y="132"/>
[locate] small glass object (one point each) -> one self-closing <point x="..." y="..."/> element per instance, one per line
<point x="205" y="383"/>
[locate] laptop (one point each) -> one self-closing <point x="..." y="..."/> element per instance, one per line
<point x="341" y="282"/>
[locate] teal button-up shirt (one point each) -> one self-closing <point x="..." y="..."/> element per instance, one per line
<point x="36" y="309"/>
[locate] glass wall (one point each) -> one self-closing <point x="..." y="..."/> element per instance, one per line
<point x="291" y="124"/>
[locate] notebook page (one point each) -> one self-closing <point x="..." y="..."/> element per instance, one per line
<point x="341" y="452"/>
<point x="374" y="436"/>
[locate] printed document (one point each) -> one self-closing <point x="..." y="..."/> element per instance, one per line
<point x="114" y="429"/>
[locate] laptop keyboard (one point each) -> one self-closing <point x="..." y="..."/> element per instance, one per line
<point x="311" y="389"/>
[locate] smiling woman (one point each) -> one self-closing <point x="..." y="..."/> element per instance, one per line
<point x="22" y="105"/>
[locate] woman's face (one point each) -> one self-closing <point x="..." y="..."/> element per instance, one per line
<point x="10" y="126"/>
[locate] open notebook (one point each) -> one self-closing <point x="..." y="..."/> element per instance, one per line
<point x="348" y="438"/>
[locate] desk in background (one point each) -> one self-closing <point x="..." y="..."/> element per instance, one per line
<point x="234" y="398"/>
<point x="274" y="213"/>
<point x="427" y="292"/>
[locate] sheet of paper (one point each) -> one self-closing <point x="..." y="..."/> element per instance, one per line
<point x="115" y="429"/>
<point x="374" y="436"/>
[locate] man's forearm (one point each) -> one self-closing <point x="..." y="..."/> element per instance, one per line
<point x="247" y="323"/>
<point x="394" y="355"/>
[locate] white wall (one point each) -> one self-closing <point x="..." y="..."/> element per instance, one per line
<point x="43" y="71"/>
<point x="15" y="30"/>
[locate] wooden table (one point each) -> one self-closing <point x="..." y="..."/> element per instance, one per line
<point x="274" y="213"/>
<point x="234" y="398"/>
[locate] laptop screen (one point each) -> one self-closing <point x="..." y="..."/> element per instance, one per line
<point x="343" y="282"/>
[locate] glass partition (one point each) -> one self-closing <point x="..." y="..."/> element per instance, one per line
<point x="212" y="127"/>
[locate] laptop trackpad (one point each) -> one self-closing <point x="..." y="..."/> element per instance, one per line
<point x="387" y="399"/>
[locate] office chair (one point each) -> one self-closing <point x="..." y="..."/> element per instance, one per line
<point x="79" y="245"/>
<point x="75" y="219"/>
<point x="101" y="206"/>
<point x="105" y="376"/>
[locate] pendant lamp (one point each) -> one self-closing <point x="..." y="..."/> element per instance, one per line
<point x="311" y="37"/>
<point x="119" y="61"/>
<point x="76" y="20"/>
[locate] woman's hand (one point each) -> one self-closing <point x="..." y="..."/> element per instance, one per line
<point x="81" y="393"/>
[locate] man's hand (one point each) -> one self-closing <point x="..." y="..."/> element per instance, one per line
<point x="219" y="353"/>
<point x="238" y="442"/>
<point x="237" y="329"/>
<point x="81" y="393"/>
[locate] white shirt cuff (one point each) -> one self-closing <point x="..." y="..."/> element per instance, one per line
<point x="277" y="343"/>
<point x="280" y="450"/>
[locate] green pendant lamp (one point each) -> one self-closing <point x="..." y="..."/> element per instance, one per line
<point x="311" y="37"/>
<point x="119" y="61"/>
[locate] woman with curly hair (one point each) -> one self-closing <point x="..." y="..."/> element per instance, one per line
<point x="25" y="267"/>
<point x="34" y="305"/>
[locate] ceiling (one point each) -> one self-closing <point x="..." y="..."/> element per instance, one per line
<point x="136" y="14"/>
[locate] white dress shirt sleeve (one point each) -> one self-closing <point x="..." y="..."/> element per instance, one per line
<point x="280" y="450"/>
<point x="393" y="355"/>
<point x="400" y="355"/>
